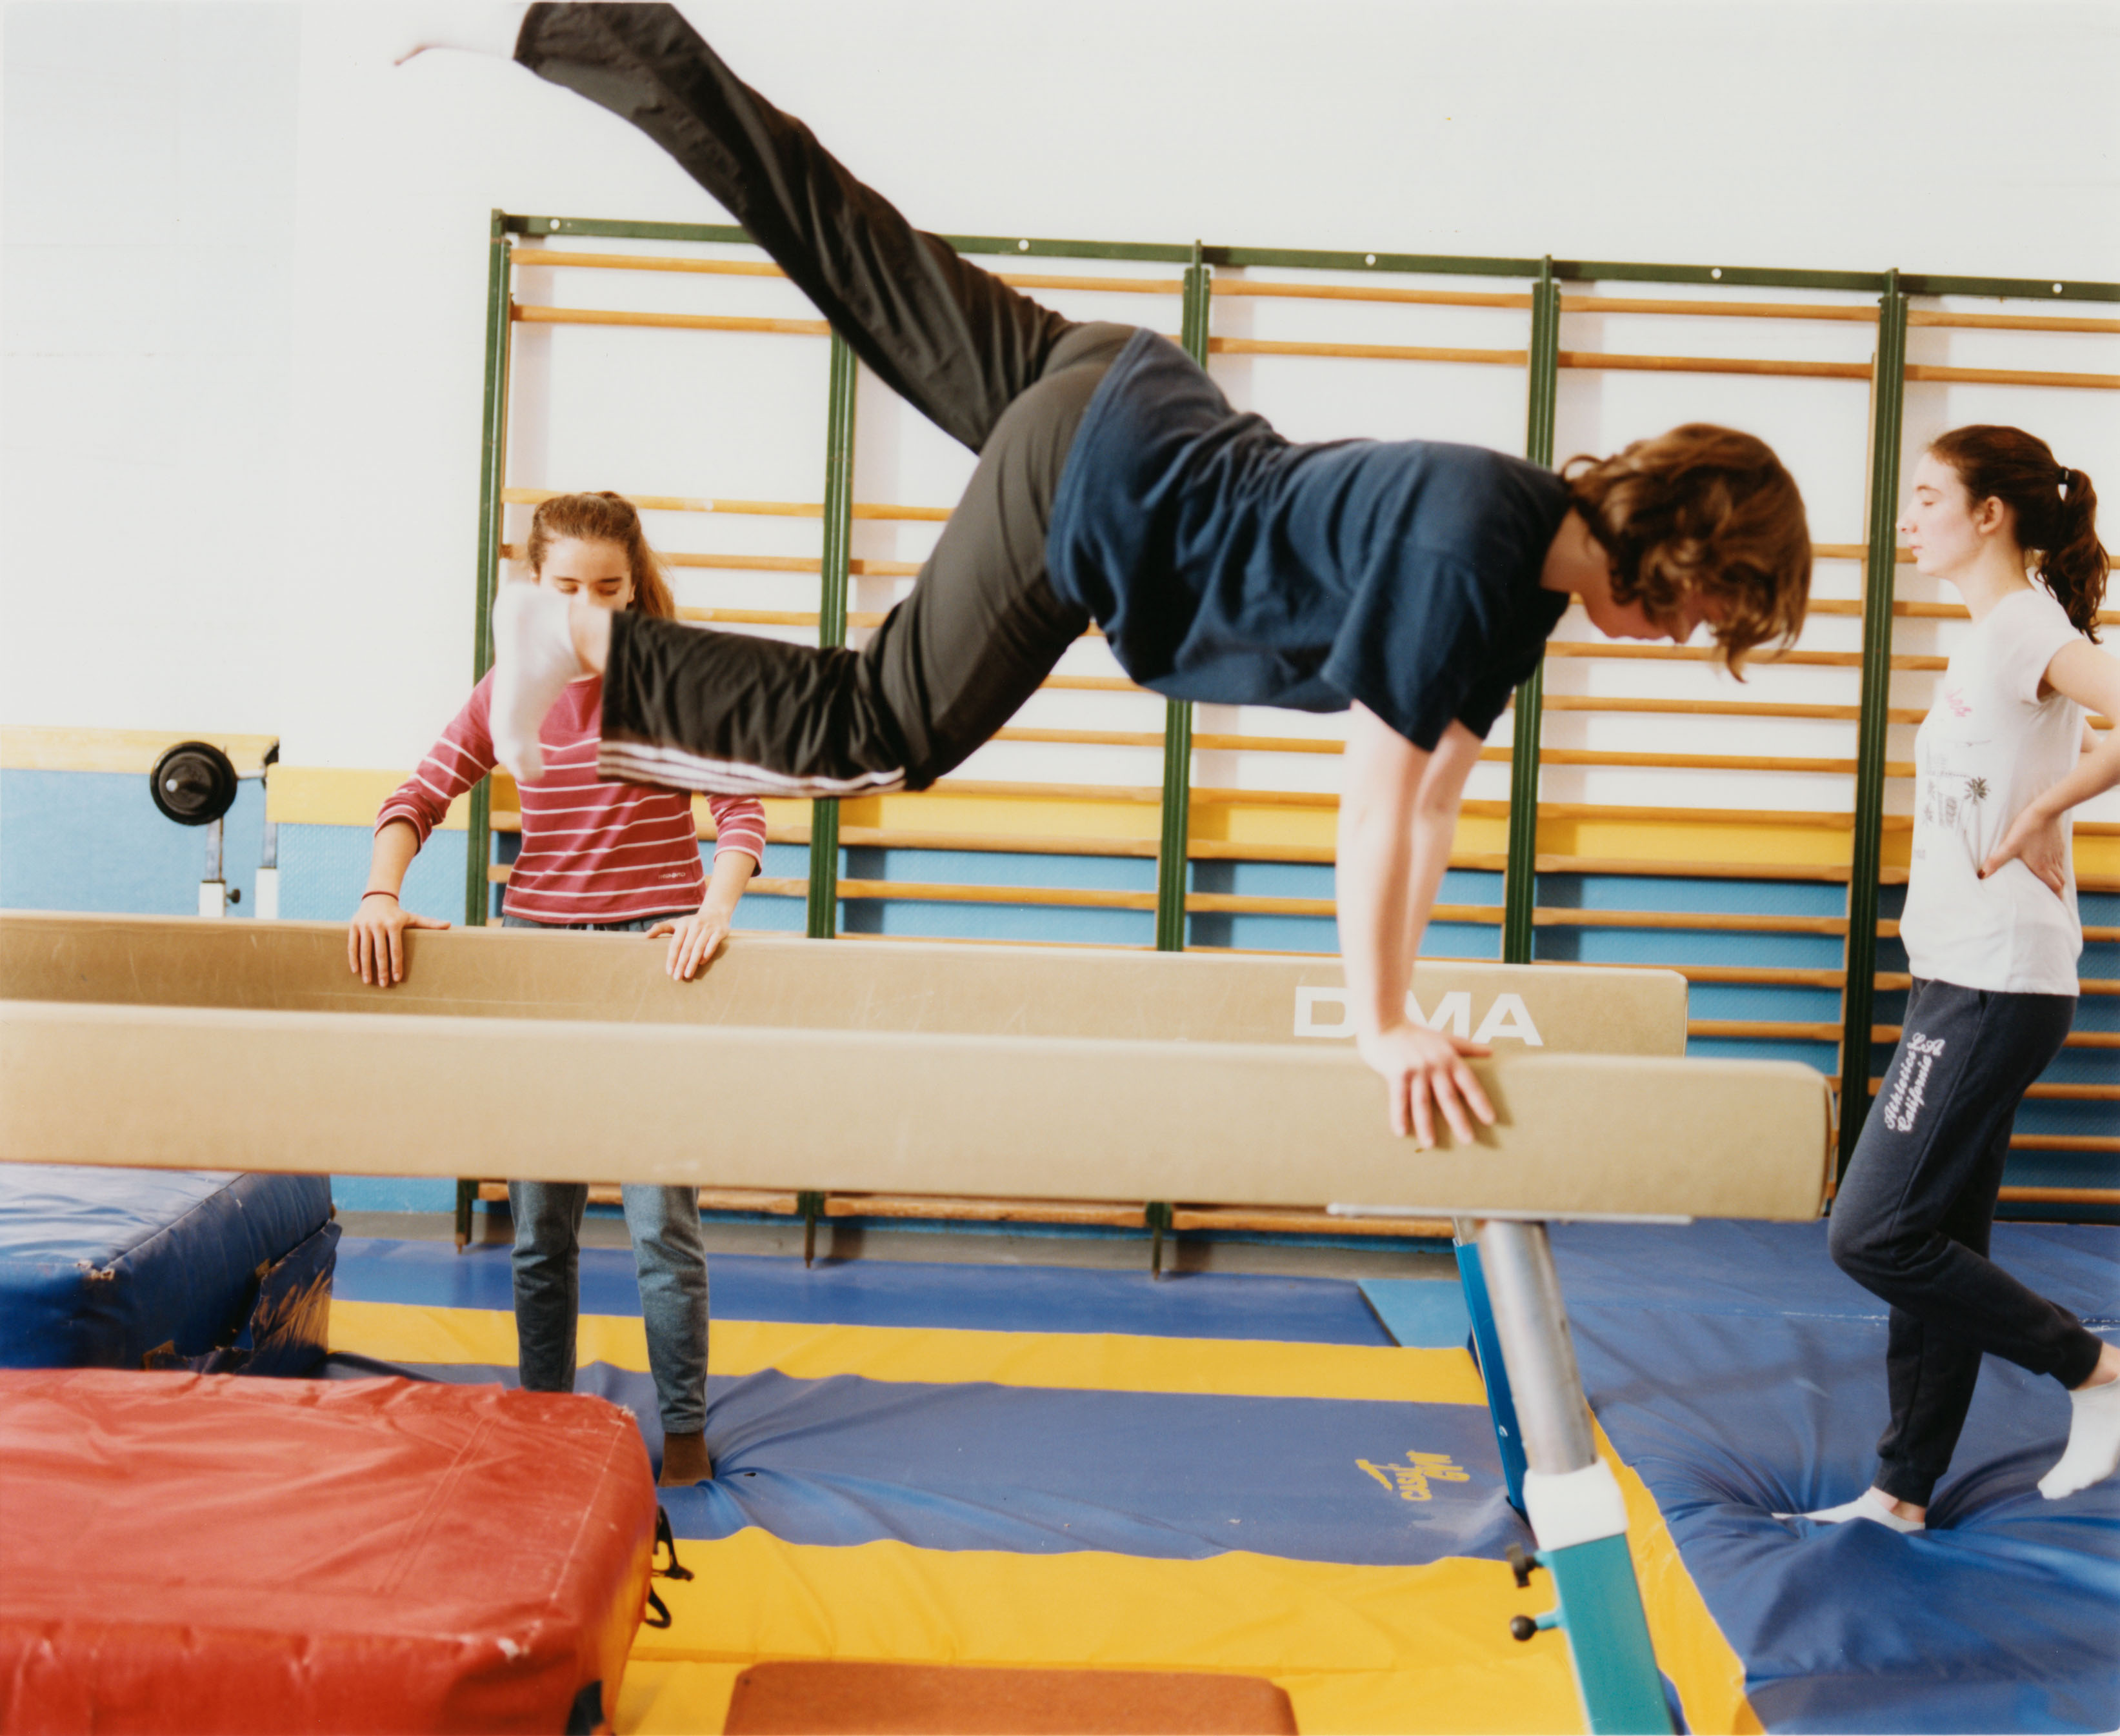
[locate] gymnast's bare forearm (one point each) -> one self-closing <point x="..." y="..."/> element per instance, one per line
<point x="1397" y="813"/>
<point x="1374" y="870"/>
<point x="1435" y="829"/>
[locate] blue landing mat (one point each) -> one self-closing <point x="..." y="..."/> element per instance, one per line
<point x="1039" y="1471"/>
<point x="877" y="1292"/>
<point x="106" y="1268"/>
<point x="1741" y="1374"/>
<point x="1421" y="1313"/>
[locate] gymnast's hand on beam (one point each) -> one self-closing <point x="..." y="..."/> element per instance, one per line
<point x="1417" y="1064"/>
<point x="375" y="941"/>
<point x="694" y="940"/>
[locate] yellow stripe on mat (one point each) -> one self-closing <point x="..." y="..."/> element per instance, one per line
<point x="395" y="1332"/>
<point x="1358" y="1649"/>
<point x="1340" y="1640"/>
<point x="1707" y="1672"/>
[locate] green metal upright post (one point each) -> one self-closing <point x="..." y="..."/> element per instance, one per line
<point x="1888" y="403"/>
<point x="832" y="619"/>
<point x="492" y="473"/>
<point x="1520" y="875"/>
<point x="1173" y="872"/>
<point x="1520" y="878"/>
<point x="492" y="470"/>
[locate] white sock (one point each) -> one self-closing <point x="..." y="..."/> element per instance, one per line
<point x="475" y="26"/>
<point x="533" y="660"/>
<point x="1867" y="1505"/>
<point x="2093" y="1453"/>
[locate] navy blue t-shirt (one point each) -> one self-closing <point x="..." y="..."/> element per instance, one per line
<point x="1228" y="564"/>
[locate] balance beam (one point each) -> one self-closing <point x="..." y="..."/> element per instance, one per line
<point x="886" y="1068"/>
<point x="868" y="1067"/>
<point x="851" y="984"/>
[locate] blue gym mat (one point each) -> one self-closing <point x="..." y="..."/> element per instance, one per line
<point x="1421" y="1313"/>
<point x="1040" y="1471"/>
<point x="880" y="1292"/>
<point x="1741" y="1374"/>
<point x="128" y="1268"/>
<point x="1732" y="1366"/>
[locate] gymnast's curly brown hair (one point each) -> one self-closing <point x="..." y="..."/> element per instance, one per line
<point x="604" y="517"/>
<point x="1702" y="512"/>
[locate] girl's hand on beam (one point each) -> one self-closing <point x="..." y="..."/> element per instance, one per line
<point x="1423" y="1070"/>
<point x="694" y="940"/>
<point x="375" y="939"/>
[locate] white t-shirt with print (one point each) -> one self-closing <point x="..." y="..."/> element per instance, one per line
<point x="1989" y="745"/>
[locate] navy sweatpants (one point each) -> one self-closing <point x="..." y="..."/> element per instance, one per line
<point x="1912" y="1220"/>
<point x="737" y="715"/>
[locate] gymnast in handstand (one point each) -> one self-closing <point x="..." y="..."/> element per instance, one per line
<point x="1412" y="583"/>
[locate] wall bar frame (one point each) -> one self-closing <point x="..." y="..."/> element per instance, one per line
<point x="1543" y="277"/>
<point x="835" y="570"/>
<point x="1858" y="994"/>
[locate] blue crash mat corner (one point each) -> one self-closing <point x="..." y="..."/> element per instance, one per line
<point x="138" y="1268"/>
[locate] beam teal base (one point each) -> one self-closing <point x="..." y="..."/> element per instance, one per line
<point x="1501" y="1406"/>
<point x="1599" y="1607"/>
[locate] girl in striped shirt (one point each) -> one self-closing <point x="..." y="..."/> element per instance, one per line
<point x="611" y="856"/>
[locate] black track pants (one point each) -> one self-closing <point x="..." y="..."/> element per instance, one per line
<point x="1912" y="1220"/>
<point x="728" y="713"/>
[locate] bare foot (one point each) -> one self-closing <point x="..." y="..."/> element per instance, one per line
<point x="533" y="660"/>
<point x="685" y="1460"/>
<point x="590" y="627"/>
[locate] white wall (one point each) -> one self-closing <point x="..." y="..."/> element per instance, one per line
<point x="244" y="258"/>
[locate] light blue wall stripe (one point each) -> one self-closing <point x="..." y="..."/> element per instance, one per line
<point x="94" y="841"/>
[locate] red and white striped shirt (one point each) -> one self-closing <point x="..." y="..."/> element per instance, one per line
<point x="591" y="851"/>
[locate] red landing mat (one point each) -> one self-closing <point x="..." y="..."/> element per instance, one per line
<point x="215" y="1553"/>
<point x="832" y="1699"/>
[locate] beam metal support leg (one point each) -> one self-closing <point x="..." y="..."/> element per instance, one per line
<point x="1571" y="1497"/>
<point x="1494" y="1368"/>
<point x="811" y="1203"/>
<point x="1158" y="1215"/>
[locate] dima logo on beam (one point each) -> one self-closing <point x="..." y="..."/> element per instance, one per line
<point x="1507" y="1016"/>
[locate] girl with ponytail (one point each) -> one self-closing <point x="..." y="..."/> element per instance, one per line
<point x="1991" y="936"/>
<point x="2052" y="511"/>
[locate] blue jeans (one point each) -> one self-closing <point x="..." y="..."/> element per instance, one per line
<point x="669" y="1257"/>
